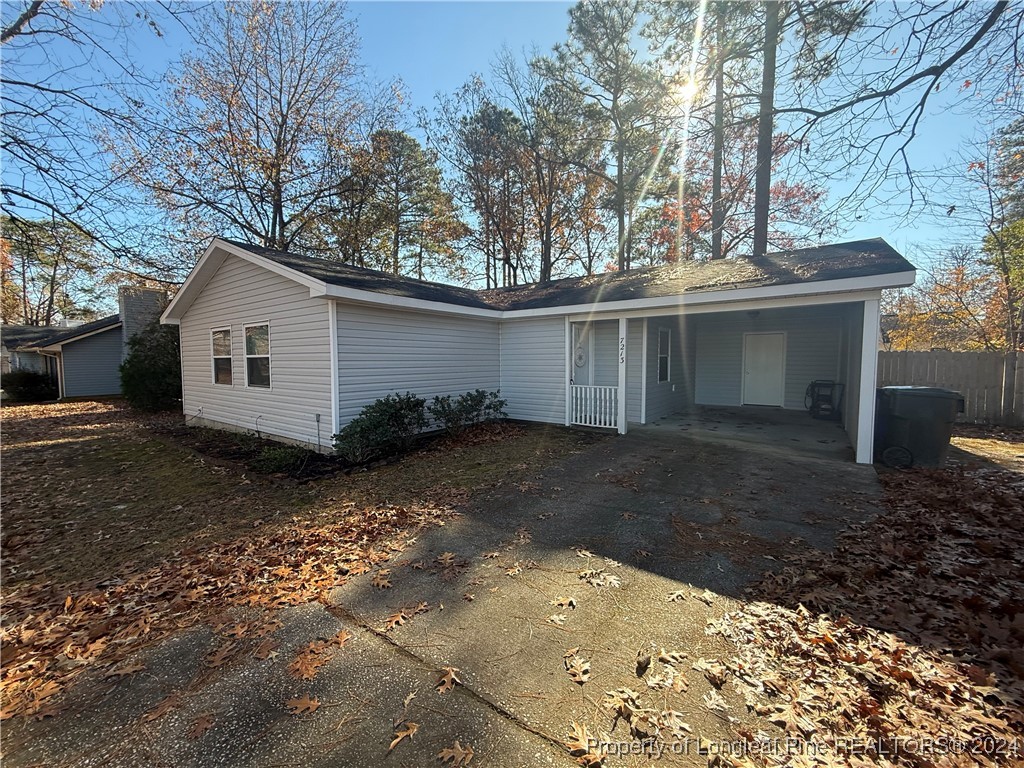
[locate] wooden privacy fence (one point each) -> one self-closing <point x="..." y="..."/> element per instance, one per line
<point x="992" y="383"/>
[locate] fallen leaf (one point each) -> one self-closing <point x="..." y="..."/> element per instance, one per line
<point x="577" y="667"/>
<point x="201" y="725"/>
<point x="303" y="706"/>
<point x="448" y="680"/>
<point x="457" y="755"/>
<point x="403" y="731"/>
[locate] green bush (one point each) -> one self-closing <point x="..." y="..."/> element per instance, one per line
<point x="386" y="427"/>
<point x="151" y="373"/>
<point x="28" y="386"/>
<point x="454" y="414"/>
<point x="286" y="459"/>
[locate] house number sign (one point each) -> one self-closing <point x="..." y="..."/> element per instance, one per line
<point x="622" y="349"/>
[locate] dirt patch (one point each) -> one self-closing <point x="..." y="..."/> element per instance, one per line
<point x="992" y="446"/>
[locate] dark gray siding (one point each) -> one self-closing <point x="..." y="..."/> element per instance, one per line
<point x="91" y="365"/>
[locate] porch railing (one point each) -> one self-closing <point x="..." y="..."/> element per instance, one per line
<point x="593" y="406"/>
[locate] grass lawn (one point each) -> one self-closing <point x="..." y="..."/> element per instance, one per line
<point x="92" y="490"/>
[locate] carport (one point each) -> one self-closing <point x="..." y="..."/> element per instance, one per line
<point x="753" y="346"/>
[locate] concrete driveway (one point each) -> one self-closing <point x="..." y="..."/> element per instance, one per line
<point x="629" y="547"/>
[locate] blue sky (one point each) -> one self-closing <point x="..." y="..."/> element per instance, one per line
<point x="437" y="46"/>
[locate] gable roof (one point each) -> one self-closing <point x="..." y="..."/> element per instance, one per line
<point x="85" y="329"/>
<point x="872" y="259"/>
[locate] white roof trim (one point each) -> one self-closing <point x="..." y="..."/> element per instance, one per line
<point x="215" y="255"/>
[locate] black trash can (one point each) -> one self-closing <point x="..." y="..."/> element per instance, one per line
<point x="913" y="425"/>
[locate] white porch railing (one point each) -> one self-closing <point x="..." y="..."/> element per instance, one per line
<point x="593" y="406"/>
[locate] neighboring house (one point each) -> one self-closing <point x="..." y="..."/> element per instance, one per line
<point x="87" y="358"/>
<point x="13" y="353"/>
<point x="294" y="347"/>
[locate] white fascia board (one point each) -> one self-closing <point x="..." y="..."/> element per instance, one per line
<point x="57" y="347"/>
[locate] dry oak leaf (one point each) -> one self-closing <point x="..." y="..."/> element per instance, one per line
<point x="564" y="602"/>
<point x="449" y="679"/>
<point x="304" y="706"/>
<point x="577" y="667"/>
<point x="395" y="620"/>
<point x="341" y="639"/>
<point x="129" y="669"/>
<point x="676" y="597"/>
<point x="166" y="705"/>
<point x="266" y="649"/>
<point x="580" y="746"/>
<point x="557" y="619"/>
<point x="381" y="579"/>
<point x="403" y="731"/>
<point x="222" y="655"/>
<point x="456" y="754"/>
<point x="202" y="724"/>
<point x="446" y="559"/>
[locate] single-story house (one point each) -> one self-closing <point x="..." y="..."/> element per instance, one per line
<point x="294" y="347"/>
<point x="87" y="358"/>
<point x="14" y="355"/>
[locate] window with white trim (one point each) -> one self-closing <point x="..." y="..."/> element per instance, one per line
<point x="664" y="354"/>
<point x="220" y="350"/>
<point x="257" y="356"/>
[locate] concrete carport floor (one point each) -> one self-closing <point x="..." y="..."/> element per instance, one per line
<point x="786" y="430"/>
<point x="633" y="545"/>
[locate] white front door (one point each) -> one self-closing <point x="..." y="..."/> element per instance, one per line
<point x="764" y="368"/>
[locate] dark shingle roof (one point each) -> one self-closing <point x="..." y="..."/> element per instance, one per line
<point x="861" y="258"/>
<point x="15" y="336"/>
<point x="336" y="273"/>
<point x="67" y="334"/>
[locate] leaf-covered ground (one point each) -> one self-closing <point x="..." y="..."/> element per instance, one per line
<point x="114" y="537"/>
<point x="520" y="583"/>
<point x="905" y="645"/>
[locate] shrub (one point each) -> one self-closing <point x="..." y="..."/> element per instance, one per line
<point x="286" y="459"/>
<point x="151" y="373"/>
<point x="454" y="414"/>
<point x="28" y="386"/>
<point x="386" y="427"/>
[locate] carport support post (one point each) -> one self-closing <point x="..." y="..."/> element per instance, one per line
<point x="868" y="379"/>
<point x="621" y="399"/>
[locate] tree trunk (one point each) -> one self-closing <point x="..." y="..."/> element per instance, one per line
<point x="718" y="158"/>
<point x="620" y="203"/>
<point x="763" y="181"/>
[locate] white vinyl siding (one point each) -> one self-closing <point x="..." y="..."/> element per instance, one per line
<point x="92" y="365"/>
<point x="812" y="351"/>
<point x="382" y="351"/>
<point x="665" y="397"/>
<point x="606" y="353"/>
<point x="240" y="293"/>
<point x="533" y="369"/>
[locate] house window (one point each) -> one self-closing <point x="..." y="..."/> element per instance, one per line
<point x="664" y="353"/>
<point x="257" y="356"/>
<point x="220" y="343"/>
